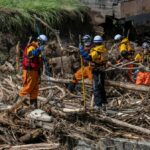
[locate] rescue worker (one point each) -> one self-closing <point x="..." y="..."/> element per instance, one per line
<point x="124" y="47"/>
<point x="126" y="53"/>
<point x="146" y="54"/>
<point x="138" y="57"/>
<point x="98" y="58"/>
<point x="143" y="55"/>
<point x="32" y="65"/>
<point x="143" y="76"/>
<point x="86" y="71"/>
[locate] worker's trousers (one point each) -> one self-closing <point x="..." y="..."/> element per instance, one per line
<point x="30" y="84"/>
<point x="98" y="87"/>
<point x="86" y="72"/>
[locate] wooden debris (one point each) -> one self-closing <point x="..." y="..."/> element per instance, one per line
<point x="31" y="135"/>
<point x="127" y="115"/>
<point x="40" y="146"/>
<point x="128" y="86"/>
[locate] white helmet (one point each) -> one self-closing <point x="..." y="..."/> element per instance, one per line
<point x="42" y="38"/>
<point x="117" y="37"/>
<point x="86" y="38"/>
<point x="145" y="45"/>
<point x="97" y="39"/>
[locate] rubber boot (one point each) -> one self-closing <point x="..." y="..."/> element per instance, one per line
<point x="16" y="98"/>
<point x="71" y="87"/>
<point x="33" y="103"/>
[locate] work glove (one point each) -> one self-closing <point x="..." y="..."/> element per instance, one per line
<point x="147" y="69"/>
<point x="81" y="48"/>
<point x="84" y="53"/>
<point x="108" y="64"/>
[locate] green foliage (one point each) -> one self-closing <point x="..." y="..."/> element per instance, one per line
<point x="15" y="15"/>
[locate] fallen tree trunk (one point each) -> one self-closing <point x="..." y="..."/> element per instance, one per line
<point x="66" y="59"/>
<point x="128" y="86"/>
<point x="33" y="146"/>
<point x="67" y="62"/>
<point x="124" y="124"/>
<point x="55" y="87"/>
<point x="124" y="85"/>
<point x="106" y="119"/>
<point x="16" y="105"/>
<point x="109" y="120"/>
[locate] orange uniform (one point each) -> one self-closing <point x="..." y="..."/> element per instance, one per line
<point x="87" y="73"/>
<point x="143" y="78"/>
<point x="31" y="75"/>
<point x="30" y="84"/>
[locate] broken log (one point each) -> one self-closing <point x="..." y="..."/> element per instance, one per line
<point x="10" y="66"/>
<point x="55" y="80"/>
<point x="55" y="87"/>
<point x="109" y="120"/>
<point x="17" y="55"/>
<point x="16" y="105"/>
<point x="66" y="59"/>
<point x="40" y="146"/>
<point x="128" y="86"/>
<point x="73" y="110"/>
<point x="67" y="62"/>
<point x="57" y="113"/>
<point x="124" y="124"/>
<point x="124" y="85"/>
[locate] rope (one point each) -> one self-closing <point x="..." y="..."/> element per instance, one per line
<point x="43" y="56"/>
<point x="83" y="84"/>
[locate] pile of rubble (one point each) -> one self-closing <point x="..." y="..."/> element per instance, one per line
<point x="61" y="117"/>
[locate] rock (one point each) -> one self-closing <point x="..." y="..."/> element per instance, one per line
<point x="4" y="107"/>
<point x="122" y="144"/>
<point x="40" y="115"/>
<point x="84" y="146"/>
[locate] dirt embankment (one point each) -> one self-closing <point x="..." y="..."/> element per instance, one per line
<point x="7" y="43"/>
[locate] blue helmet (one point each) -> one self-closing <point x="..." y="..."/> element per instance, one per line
<point x="97" y="39"/>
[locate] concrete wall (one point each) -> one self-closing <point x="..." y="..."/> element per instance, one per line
<point x="114" y="144"/>
<point x="98" y="3"/>
<point x="134" y="7"/>
<point x="119" y="8"/>
<point x="123" y="144"/>
<point x="99" y="8"/>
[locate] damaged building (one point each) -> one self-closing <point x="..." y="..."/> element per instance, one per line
<point x="112" y="14"/>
